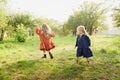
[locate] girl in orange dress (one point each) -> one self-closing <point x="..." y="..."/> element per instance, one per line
<point x="45" y="35"/>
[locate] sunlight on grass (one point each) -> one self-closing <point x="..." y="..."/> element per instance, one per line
<point x="22" y="61"/>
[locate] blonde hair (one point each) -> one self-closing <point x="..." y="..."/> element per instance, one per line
<point x="46" y="30"/>
<point x="81" y="28"/>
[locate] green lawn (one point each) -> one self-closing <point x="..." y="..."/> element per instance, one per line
<point x="22" y="61"/>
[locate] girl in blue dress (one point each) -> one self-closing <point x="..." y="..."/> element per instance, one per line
<point x="83" y="44"/>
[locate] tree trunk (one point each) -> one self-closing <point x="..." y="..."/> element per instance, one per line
<point x="2" y="34"/>
<point x="90" y="32"/>
<point x="63" y="30"/>
<point x="32" y="33"/>
<point x="74" y="32"/>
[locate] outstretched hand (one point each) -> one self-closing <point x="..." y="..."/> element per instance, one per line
<point x="36" y="25"/>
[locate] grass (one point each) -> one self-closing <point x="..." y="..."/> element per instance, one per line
<point x="22" y="61"/>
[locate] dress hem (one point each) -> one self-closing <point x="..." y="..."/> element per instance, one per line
<point x="47" y="49"/>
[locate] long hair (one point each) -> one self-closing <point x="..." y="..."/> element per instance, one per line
<point x="46" y="30"/>
<point x="81" y="28"/>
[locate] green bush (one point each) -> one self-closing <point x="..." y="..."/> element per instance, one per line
<point x="2" y="47"/>
<point x="60" y="32"/>
<point x="21" y="33"/>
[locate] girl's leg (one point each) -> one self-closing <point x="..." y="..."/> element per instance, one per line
<point x="77" y="60"/>
<point x="51" y="56"/>
<point x="88" y="60"/>
<point x="44" y="55"/>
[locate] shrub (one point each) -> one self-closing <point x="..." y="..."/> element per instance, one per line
<point x="21" y="33"/>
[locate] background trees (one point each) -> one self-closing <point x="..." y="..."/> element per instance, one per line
<point x="21" y="18"/>
<point x="116" y="16"/>
<point x="3" y="24"/>
<point x="3" y="19"/>
<point x="91" y="15"/>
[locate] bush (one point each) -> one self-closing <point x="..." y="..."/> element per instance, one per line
<point x="21" y="33"/>
<point x="59" y="32"/>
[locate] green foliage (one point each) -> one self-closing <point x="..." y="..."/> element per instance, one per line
<point x="21" y="18"/>
<point x="21" y="33"/>
<point x="3" y="22"/>
<point x="91" y="15"/>
<point x="5" y="28"/>
<point x="18" y="19"/>
<point x="116" y="17"/>
<point x="10" y="31"/>
<point x="59" y="31"/>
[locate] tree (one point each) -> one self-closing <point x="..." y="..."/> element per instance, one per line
<point x="116" y="17"/>
<point x="91" y="15"/>
<point x="3" y="25"/>
<point x="21" y="18"/>
<point x="3" y="20"/>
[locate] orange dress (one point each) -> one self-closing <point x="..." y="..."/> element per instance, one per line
<point x="46" y="44"/>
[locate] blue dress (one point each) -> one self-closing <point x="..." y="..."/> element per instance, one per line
<point x="83" y="43"/>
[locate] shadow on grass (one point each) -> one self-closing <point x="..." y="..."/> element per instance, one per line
<point x="40" y="70"/>
<point x="17" y="71"/>
<point x="71" y="72"/>
<point x="49" y="70"/>
<point x="8" y="44"/>
<point x="8" y="41"/>
<point x="23" y="64"/>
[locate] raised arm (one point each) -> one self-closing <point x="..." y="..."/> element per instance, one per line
<point x="37" y="30"/>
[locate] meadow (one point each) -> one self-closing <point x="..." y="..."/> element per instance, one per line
<point x="22" y="61"/>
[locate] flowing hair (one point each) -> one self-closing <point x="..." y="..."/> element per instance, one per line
<point x="81" y="28"/>
<point x="46" y="30"/>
